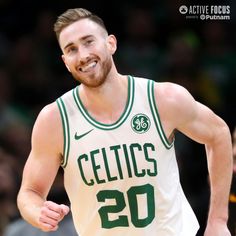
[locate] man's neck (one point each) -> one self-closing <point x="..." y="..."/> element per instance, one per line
<point x="107" y="102"/>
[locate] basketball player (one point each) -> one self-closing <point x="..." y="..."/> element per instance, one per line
<point x="114" y="137"/>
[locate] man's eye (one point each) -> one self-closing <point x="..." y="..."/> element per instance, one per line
<point x="88" y="42"/>
<point x="72" y="49"/>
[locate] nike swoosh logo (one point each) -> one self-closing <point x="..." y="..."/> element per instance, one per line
<point x="77" y="137"/>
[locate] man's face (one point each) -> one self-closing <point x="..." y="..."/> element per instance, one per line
<point x="87" y="51"/>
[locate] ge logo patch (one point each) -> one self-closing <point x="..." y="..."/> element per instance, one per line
<point x="140" y="123"/>
<point x="183" y="9"/>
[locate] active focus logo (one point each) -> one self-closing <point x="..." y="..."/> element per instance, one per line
<point x="206" y="12"/>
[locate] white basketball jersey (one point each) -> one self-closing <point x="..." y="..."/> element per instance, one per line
<point x="122" y="179"/>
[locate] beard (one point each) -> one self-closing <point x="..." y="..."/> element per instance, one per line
<point x="98" y="78"/>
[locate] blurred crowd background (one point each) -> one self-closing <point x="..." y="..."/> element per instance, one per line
<point x="154" y="41"/>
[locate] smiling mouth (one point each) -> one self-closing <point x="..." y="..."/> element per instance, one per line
<point x="88" y="67"/>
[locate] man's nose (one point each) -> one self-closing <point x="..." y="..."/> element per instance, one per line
<point x="83" y="54"/>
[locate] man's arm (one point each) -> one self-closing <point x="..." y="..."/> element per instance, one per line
<point x="40" y="171"/>
<point x="180" y="111"/>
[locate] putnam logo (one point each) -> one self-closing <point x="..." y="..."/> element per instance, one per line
<point x="140" y="123"/>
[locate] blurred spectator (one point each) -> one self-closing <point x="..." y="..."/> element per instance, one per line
<point x="15" y="137"/>
<point x="219" y="61"/>
<point x="4" y="48"/>
<point x="14" y="123"/>
<point x="139" y="54"/>
<point x="181" y="60"/>
<point x="8" y="189"/>
<point x="30" y="77"/>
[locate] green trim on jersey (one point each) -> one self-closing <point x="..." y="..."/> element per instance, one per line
<point x="66" y="131"/>
<point x="156" y="117"/>
<point x="123" y="117"/>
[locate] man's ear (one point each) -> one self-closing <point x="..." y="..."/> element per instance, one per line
<point x="63" y="58"/>
<point x="112" y="43"/>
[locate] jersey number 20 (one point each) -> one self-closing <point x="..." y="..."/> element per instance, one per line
<point x="120" y="204"/>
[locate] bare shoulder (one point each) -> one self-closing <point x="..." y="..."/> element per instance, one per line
<point x="50" y="112"/>
<point x="47" y="130"/>
<point x="49" y="117"/>
<point x="176" y="106"/>
<point x="174" y="100"/>
<point x="172" y="94"/>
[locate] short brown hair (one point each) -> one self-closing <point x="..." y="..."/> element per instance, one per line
<point x="72" y="15"/>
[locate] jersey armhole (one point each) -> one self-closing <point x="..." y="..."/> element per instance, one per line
<point x="66" y="131"/>
<point x="156" y="116"/>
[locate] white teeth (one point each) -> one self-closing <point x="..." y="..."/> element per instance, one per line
<point x="89" y="66"/>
